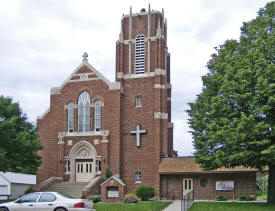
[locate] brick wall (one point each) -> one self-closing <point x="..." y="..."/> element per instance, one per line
<point x="55" y="121"/>
<point x="245" y="184"/>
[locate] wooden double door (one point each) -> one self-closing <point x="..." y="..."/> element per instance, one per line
<point x="85" y="170"/>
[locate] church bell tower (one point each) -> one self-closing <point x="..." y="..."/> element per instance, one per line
<point x="143" y="69"/>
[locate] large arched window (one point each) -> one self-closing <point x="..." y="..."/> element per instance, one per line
<point x="139" y="54"/>
<point x="97" y="115"/>
<point x="84" y="112"/>
<point x="71" y="117"/>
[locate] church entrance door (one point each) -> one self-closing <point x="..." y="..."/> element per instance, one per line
<point x="84" y="170"/>
<point x="187" y="185"/>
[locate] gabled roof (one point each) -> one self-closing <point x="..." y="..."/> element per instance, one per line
<point x="76" y="73"/>
<point x="187" y="165"/>
<point x="115" y="178"/>
<point x="19" y="178"/>
<point x="88" y="76"/>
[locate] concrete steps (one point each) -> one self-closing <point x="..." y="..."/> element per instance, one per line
<point x="72" y="189"/>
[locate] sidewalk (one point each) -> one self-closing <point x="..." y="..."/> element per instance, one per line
<point x="175" y="206"/>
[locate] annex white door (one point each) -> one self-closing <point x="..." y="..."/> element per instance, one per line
<point x="84" y="170"/>
<point x="187" y="185"/>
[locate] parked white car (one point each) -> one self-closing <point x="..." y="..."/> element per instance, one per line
<point x="47" y="201"/>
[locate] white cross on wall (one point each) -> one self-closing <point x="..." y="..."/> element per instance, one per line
<point x="138" y="131"/>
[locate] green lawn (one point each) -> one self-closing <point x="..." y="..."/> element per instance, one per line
<point x="231" y="206"/>
<point x="263" y="196"/>
<point x="141" y="206"/>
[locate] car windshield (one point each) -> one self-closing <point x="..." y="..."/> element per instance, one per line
<point x="65" y="196"/>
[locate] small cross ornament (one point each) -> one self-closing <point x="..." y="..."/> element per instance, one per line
<point x="85" y="56"/>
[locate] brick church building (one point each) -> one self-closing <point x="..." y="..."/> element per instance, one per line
<point x="93" y="123"/>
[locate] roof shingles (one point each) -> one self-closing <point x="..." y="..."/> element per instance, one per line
<point x="187" y="165"/>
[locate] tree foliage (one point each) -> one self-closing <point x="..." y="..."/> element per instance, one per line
<point x="233" y="118"/>
<point x="19" y="142"/>
<point x="108" y="173"/>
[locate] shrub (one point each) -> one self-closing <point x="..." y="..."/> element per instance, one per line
<point x="145" y="192"/>
<point x="130" y="198"/>
<point x="108" y="173"/>
<point x="97" y="199"/>
<point x="245" y="198"/>
<point x="221" y="198"/>
<point x="29" y="190"/>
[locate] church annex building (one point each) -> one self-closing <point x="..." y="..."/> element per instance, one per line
<point x="93" y="123"/>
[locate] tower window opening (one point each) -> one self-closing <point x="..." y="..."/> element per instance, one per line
<point x="139" y="54"/>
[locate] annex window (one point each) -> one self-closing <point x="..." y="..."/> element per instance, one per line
<point x="138" y="177"/>
<point x="203" y="182"/>
<point x="139" y="54"/>
<point x="97" y="115"/>
<point x="84" y="112"/>
<point x="138" y="101"/>
<point x="71" y="117"/>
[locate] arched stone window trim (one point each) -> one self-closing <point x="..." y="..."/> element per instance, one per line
<point x="75" y="154"/>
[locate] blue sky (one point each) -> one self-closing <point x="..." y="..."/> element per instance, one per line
<point x="42" y="42"/>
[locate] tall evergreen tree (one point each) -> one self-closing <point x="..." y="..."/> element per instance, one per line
<point x="233" y="119"/>
<point x="19" y="142"/>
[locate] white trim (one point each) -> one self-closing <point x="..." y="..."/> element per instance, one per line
<point x="160" y="86"/>
<point x="91" y="133"/>
<point x="152" y="38"/>
<point x="104" y="141"/>
<point x="115" y="178"/>
<point x="170" y="125"/>
<point x="81" y="74"/>
<point x="83" y="79"/>
<point x="159" y="71"/>
<point x="55" y="90"/>
<point x="160" y="115"/>
<point x="115" y="86"/>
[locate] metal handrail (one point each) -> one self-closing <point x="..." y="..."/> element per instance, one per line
<point x="187" y="200"/>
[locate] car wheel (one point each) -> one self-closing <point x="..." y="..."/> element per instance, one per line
<point x="4" y="209"/>
<point x="57" y="209"/>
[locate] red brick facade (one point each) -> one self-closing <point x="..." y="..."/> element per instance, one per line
<point x="244" y="184"/>
<point x="114" y="145"/>
<point x="114" y="184"/>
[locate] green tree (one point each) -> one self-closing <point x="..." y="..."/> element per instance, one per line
<point x="233" y="118"/>
<point x="19" y="142"/>
<point x="108" y="173"/>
